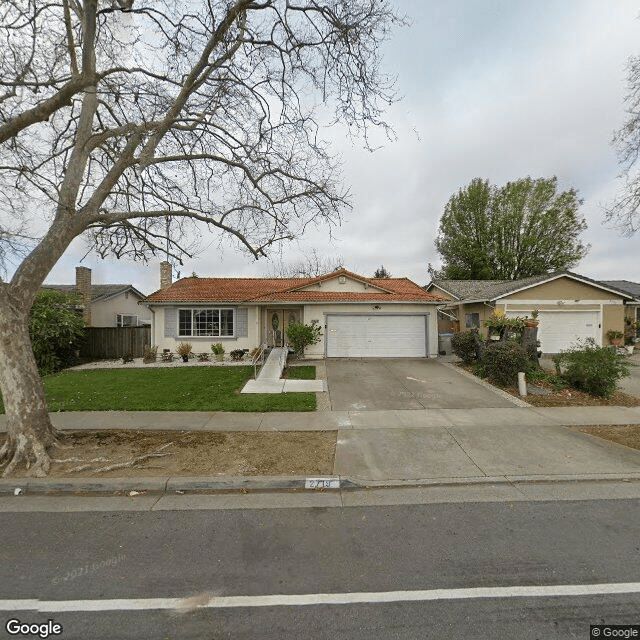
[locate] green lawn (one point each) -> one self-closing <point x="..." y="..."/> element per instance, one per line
<point x="305" y="372"/>
<point x="179" y="389"/>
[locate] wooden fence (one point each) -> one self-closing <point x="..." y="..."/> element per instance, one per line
<point x="114" y="342"/>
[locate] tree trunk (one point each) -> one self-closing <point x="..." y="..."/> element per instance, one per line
<point x="29" y="430"/>
<point x="529" y="342"/>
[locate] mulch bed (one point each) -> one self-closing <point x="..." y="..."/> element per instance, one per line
<point x="569" y="397"/>
<point x="573" y="398"/>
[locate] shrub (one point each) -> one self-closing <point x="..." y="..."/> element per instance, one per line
<point x="536" y="374"/>
<point x="203" y="357"/>
<point x="217" y="349"/>
<point x="501" y="362"/>
<point x="593" y="369"/>
<point x="303" y="335"/>
<point x="184" y="349"/>
<point x="149" y="354"/>
<point x="56" y="330"/>
<point x="237" y="354"/>
<point x="464" y="346"/>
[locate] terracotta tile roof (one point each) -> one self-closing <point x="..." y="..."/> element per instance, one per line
<point x="237" y="290"/>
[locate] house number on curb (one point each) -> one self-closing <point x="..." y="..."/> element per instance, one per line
<point x="322" y="483"/>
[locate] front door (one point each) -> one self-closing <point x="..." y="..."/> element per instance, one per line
<point x="277" y="322"/>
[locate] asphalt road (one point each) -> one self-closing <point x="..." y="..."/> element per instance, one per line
<point x="91" y="556"/>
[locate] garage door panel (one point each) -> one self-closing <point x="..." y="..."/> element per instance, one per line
<point x="561" y="330"/>
<point x="359" y="336"/>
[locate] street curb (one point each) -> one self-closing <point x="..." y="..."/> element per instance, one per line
<point x="185" y="485"/>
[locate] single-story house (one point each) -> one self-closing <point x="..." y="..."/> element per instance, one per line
<point x="633" y="289"/>
<point x="359" y="316"/>
<point x="106" y="305"/>
<point x="571" y="307"/>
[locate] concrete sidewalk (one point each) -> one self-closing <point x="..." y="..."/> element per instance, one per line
<point x="332" y="420"/>
<point x="392" y="448"/>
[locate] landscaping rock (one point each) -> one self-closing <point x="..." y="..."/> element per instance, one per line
<point x="534" y="390"/>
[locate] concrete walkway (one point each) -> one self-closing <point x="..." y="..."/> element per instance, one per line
<point x="269" y="379"/>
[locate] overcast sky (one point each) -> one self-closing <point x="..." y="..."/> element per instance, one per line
<point x="497" y="90"/>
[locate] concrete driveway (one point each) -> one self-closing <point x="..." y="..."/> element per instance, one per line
<point x="631" y="385"/>
<point x="370" y="384"/>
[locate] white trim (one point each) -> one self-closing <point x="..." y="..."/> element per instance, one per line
<point x="441" y="303"/>
<point x="127" y="315"/>
<point x="218" y="304"/>
<point x="456" y="298"/>
<point x="558" y="302"/>
<point x="328" y="277"/>
<point x="107" y="296"/>
<point x="590" y="283"/>
<point x="207" y="308"/>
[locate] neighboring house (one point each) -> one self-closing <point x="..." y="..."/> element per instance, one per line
<point x="633" y="289"/>
<point x="106" y="305"/>
<point x="572" y="307"/>
<point x="359" y="317"/>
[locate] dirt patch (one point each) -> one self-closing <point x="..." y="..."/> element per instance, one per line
<point x="193" y="453"/>
<point x="626" y="434"/>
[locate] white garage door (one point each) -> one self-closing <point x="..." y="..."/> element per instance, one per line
<point x="559" y="330"/>
<point x="379" y="336"/>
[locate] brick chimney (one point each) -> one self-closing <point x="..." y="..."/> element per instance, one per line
<point x="83" y="289"/>
<point x="166" y="277"/>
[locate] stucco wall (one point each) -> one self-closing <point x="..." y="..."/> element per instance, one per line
<point x="612" y="318"/>
<point x="334" y="284"/>
<point x="319" y="312"/>
<point x="483" y="311"/>
<point x="562" y="289"/>
<point x="103" y="312"/>
<point x="203" y="344"/>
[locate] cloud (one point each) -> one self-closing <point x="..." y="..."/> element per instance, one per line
<point x="499" y="90"/>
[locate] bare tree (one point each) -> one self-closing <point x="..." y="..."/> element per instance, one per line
<point x="120" y="120"/>
<point x="312" y="265"/>
<point x="625" y="209"/>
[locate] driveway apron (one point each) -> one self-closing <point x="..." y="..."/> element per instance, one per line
<point x="371" y="384"/>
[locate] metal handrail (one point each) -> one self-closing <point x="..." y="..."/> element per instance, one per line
<point x="258" y="357"/>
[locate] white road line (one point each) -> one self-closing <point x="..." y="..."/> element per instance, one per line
<point x="204" y="601"/>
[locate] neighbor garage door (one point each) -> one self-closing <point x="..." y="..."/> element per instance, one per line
<point x="559" y="330"/>
<point x="379" y="336"/>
